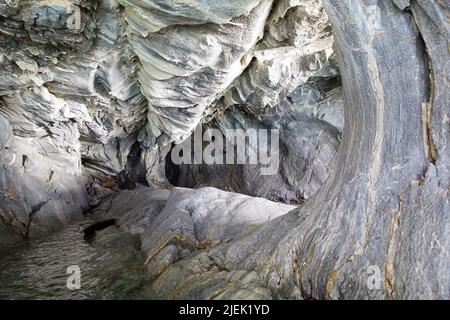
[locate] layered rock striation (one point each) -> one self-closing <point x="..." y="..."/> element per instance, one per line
<point x="94" y="94"/>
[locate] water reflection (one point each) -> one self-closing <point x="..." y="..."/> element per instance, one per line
<point x="111" y="267"/>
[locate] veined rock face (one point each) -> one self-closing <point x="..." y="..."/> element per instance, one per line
<point x="310" y="122"/>
<point x="186" y="65"/>
<point x="68" y="104"/>
<point x="95" y="94"/>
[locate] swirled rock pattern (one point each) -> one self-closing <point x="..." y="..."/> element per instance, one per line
<point x="310" y="122"/>
<point x="385" y="205"/>
<point x="93" y="95"/>
<point x="178" y="78"/>
<point x="68" y="104"/>
<point x="99" y="90"/>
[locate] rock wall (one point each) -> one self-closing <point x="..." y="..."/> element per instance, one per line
<point x="385" y="204"/>
<point x="310" y="122"/>
<point x="93" y="94"/>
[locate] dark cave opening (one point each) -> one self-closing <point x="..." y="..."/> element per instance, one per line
<point x="311" y="116"/>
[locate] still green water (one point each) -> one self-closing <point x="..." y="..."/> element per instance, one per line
<point x="111" y="267"/>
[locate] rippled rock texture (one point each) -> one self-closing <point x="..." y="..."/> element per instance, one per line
<point x="310" y="121"/>
<point x="94" y="94"/>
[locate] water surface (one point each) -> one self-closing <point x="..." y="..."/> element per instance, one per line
<point x="111" y="267"/>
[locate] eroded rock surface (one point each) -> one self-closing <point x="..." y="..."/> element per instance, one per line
<point x="199" y="219"/>
<point x="310" y="122"/>
<point x="94" y="93"/>
<point x="386" y="202"/>
<point x="68" y="103"/>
